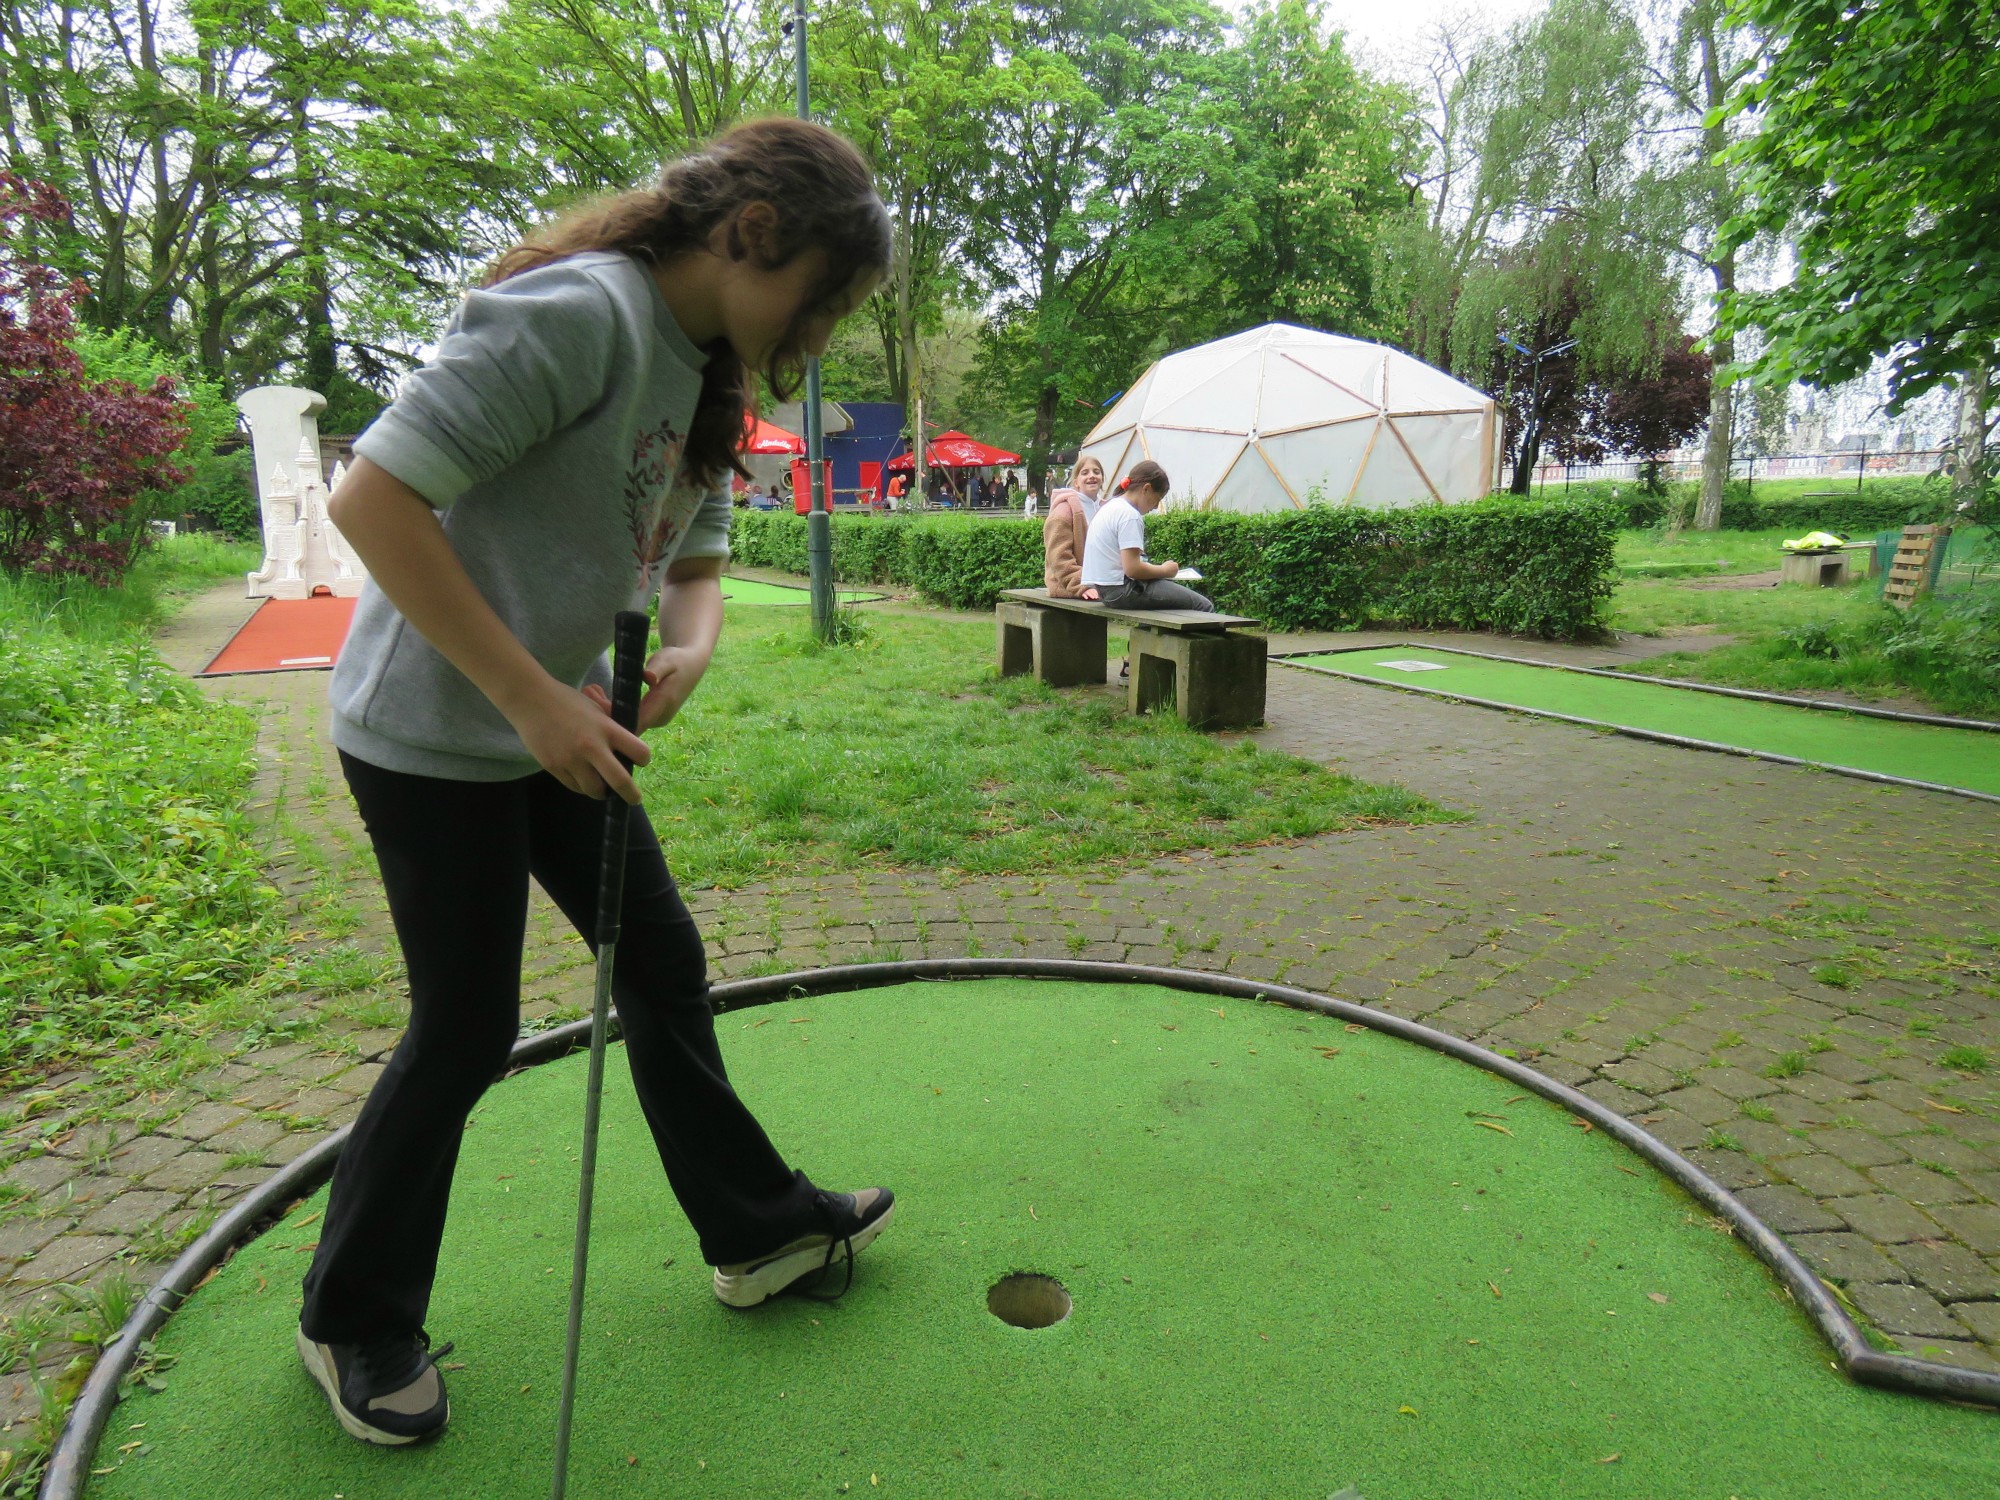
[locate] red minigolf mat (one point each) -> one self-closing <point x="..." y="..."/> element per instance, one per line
<point x="286" y="635"/>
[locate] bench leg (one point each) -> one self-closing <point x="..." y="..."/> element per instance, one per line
<point x="1211" y="681"/>
<point x="1016" y="643"/>
<point x="1062" y="648"/>
<point x="1070" y="648"/>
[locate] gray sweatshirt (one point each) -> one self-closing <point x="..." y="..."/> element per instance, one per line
<point x="547" y="432"/>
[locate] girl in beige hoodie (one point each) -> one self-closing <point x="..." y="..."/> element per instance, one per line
<point x="1069" y="516"/>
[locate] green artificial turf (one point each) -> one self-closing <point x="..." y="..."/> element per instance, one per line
<point x="1966" y="758"/>
<point x="1301" y="1258"/>
<point x="756" y="591"/>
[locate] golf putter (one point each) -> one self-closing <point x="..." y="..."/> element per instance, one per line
<point x="628" y="656"/>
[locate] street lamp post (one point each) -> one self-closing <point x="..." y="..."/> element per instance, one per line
<point x="819" y="504"/>
<point x="1535" y="395"/>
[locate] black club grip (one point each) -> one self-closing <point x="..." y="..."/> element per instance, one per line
<point x="628" y="661"/>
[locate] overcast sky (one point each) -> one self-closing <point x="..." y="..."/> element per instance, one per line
<point x="1394" y="29"/>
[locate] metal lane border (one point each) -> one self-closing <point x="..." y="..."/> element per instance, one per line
<point x="1658" y="736"/>
<point x="69" y="1464"/>
<point x="1941" y="721"/>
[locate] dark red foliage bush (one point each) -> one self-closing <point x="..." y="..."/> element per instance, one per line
<point x="75" y="455"/>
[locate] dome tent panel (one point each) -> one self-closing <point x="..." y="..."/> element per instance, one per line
<point x="1195" y="461"/>
<point x="1295" y="397"/>
<point x="1452" y="450"/>
<point x="1354" y="367"/>
<point x="1117" y="453"/>
<point x="1179" y="375"/>
<point x="1323" y="460"/>
<point x="1252" y="487"/>
<point x="1392" y="477"/>
<point x="1225" y="402"/>
<point x="1413" y="386"/>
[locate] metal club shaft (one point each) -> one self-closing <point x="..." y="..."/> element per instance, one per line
<point x="627" y="661"/>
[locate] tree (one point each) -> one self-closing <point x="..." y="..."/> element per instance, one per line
<point x="74" y="453"/>
<point x="1582" y="413"/>
<point x="1111" y="152"/>
<point x="1873" y="146"/>
<point x="1689" y="192"/>
<point x="913" y="85"/>
<point x="1319" y="154"/>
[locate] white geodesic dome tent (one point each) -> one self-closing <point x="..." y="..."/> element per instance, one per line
<point x="1261" y="420"/>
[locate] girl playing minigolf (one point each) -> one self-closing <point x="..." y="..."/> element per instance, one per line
<point x="565" y="453"/>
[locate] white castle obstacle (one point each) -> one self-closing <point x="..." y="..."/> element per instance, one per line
<point x="304" y="553"/>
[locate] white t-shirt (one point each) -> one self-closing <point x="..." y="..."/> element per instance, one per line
<point x="1116" y="526"/>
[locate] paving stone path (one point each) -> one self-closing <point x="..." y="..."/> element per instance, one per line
<point x="1767" y="966"/>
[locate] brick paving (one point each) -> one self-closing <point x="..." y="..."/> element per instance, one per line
<point x="1767" y="966"/>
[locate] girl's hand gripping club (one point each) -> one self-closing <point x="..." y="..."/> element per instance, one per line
<point x="628" y="659"/>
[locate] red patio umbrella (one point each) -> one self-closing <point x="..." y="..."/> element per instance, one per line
<point x="954" y="450"/>
<point x="761" y="437"/>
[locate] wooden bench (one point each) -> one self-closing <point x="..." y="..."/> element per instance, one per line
<point x="1205" y="667"/>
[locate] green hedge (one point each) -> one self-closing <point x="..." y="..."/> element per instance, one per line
<point x="1877" y="505"/>
<point x="1526" y="567"/>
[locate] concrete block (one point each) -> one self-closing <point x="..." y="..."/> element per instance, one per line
<point x="1211" y="681"/>
<point x="1061" y="647"/>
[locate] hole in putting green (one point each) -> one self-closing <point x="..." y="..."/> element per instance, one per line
<point x="1028" y="1300"/>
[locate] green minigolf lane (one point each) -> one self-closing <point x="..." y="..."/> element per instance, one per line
<point x="1967" y="758"/>
<point x="756" y="591"/>
<point x="1294" y="1272"/>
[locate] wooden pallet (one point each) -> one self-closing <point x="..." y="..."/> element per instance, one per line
<point x="1910" y="573"/>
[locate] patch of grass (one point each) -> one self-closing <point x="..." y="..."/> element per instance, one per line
<point x="1836" y="976"/>
<point x="905" y="751"/>
<point x="1786" y="1065"/>
<point x="132" y="894"/>
<point x="1815" y="640"/>
<point x="1752" y="1110"/>
<point x="1965" y="1059"/>
<point x="1719" y="1141"/>
<point x="1718" y="551"/>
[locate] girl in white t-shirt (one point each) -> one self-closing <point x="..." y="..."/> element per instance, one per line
<point x="1115" y="569"/>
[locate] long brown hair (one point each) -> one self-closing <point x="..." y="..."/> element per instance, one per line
<point x="825" y="200"/>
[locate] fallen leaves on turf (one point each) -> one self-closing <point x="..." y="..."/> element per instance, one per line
<point x="1489" y="1125"/>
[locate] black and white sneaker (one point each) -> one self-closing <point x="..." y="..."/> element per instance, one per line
<point x="386" y="1391"/>
<point x="851" y="1221"/>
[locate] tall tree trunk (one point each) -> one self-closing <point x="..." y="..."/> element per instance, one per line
<point x="322" y="363"/>
<point x="1969" y="475"/>
<point x="1721" y="398"/>
<point x="1041" y="438"/>
<point x="1721" y="416"/>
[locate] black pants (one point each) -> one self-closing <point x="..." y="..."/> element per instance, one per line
<point x="455" y="858"/>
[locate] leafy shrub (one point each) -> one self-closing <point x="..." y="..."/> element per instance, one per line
<point x="1893" y="500"/>
<point x="128" y="884"/>
<point x="1523" y="567"/>
<point x="1528" y="567"/>
<point x="78" y="456"/>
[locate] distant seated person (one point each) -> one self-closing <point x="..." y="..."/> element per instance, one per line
<point x="1115" y="569"/>
<point x="760" y="499"/>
